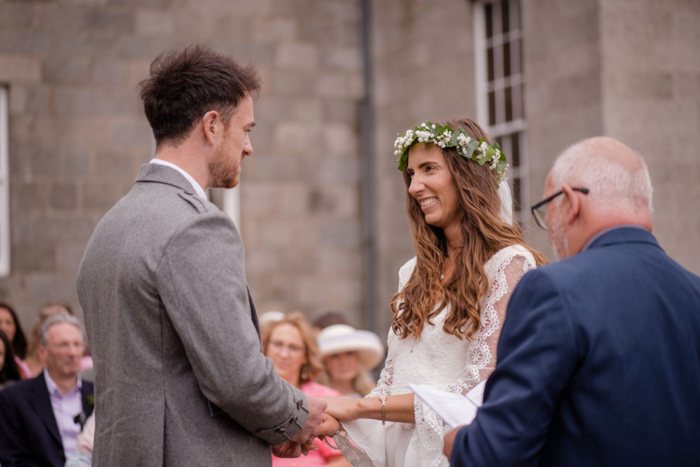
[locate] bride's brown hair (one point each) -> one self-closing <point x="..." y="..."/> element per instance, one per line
<point x="484" y="234"/>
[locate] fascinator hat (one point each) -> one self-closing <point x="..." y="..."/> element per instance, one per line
<point x="344" y="338"/>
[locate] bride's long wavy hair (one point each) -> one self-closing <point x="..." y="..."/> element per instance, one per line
<point x="484" y="234"/>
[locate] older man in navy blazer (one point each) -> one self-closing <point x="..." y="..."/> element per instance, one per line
<point x="40" y="417"/>
<point x="599" y="357"/>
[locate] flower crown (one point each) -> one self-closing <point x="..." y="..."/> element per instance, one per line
<point x="446" y="137"/>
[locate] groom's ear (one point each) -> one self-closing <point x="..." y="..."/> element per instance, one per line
<point x="209" y="125"/>
<point x="571" y="204"/>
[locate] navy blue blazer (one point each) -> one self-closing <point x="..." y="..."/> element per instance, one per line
<point x="598" y="364"/>
<point x="29" y="433"/>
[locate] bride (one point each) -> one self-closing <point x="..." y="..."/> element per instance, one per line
<point x="452" y="296"/>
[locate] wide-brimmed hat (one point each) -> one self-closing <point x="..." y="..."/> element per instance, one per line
<point x="344" y="338"/>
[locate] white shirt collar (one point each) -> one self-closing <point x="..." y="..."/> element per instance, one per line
<point x="197" y="187"/>
<point x="53" y="387"/>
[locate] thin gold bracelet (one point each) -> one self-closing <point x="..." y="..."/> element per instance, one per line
<point x="383" y="399"/>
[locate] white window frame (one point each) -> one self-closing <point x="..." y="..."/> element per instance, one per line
<point x="4" y="185"/>
<point x="232" y="205"/>
<point x="483" y="87"/>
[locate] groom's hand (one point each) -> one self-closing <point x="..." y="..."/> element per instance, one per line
<point x="448" y="442"/>
<point x="316" y="408"/>
<point x="287" y="449"/>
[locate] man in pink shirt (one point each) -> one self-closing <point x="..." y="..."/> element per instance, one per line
<point x="40" y="418"/>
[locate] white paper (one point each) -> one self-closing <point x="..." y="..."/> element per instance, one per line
<point x="454" y="409"/>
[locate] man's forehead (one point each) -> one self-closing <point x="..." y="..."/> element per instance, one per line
<point x="63" y="330"/>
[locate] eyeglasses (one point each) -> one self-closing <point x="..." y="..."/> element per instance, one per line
<point x="279" y="346"/>
<point x="539" y="210"/>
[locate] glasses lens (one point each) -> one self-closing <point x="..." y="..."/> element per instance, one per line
<point x="540" y="216"/>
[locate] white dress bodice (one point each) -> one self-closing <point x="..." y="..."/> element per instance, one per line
<point x="440" y="360"/>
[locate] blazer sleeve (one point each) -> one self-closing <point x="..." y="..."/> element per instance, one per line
<point x="13" y="446"/>
<point x="201" y="279"/>
<point x="537" y="356"/>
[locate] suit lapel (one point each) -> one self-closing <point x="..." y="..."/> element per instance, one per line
<point x="86" y="392"/>
<point x="253" y="313"/>
<point x="41" y="402"/>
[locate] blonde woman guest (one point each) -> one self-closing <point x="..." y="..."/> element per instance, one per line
<point x="290" y="344"/>
<point x="348" y="355"/>
<point x="452" y="296"/>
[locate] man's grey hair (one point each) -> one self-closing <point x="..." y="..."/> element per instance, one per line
<point x="56" y="319"/>
<point x="612" y="184"/>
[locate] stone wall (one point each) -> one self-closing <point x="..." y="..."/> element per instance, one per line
<point x="651" y="101"/>
<point x="78" y="136"/>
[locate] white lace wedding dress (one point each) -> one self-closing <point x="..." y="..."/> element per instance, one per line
<point x="440" y="360"/>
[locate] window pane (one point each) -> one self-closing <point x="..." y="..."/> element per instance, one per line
<point x="515" y="150"/>
<point x="489" y="20"/>
<point x="509" y="105"/>
<point x="492" y="108"/>
<point x="522" y="101"/>
<point x="506" y="16"/>
<point x="514" y="57"/>
<point x="517" y="201"/>
<point x="506" y="59"/>
<point x="489" y="58"/>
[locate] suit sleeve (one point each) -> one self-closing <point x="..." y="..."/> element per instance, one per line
<point x="202" y="283"/>
<point x="537" y="357"/>
<point x="13" y="446"/>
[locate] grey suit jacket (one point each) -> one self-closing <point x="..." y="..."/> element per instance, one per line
<point x="180" y="376"/>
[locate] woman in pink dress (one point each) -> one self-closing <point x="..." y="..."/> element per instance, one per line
<point x="291" y="346"/>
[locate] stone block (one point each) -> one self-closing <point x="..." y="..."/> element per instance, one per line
<point x="66" y="70"/>
<point x="345" y="58"/>
<point x="308" y="110"/>
<point x="338" y="85"/>
<point x="636" y="85"/>
<point x="18" y="99"/>
<point x="133" y="134"/>
<point x="33" y="257"/>
<point x="291" y="83"/>
<point x="64" y="196"/>
<point x="111" y="20"/>
<point x="84" y="101"/>
<point x="18" y="68"/>
<point x="274" y="30"/>
<point x="342" y="234"/>
<point x="258" y="198"/>
<point x="113" y="165"/>
<point x="110" y="72"/>
<point x="337" y="201"/>
<point x="153" y="23"/>
<point x="297" y="56"/>
<point x="340" y="139"/>
<point x="15" y="15"/>
<point x="76" y="163"/>
<point x="68" y="258"/>
<point x="341" y="110"/>
<point x="290" y="199"/>
<point x="45" y="162"/>
<point x="84" y="132"/>
<point x="39" y="98"/>
<point x="276" y="233"/>
<point x="23" y="41"/>
<point x="137" y="71"/>
<point x="100" y="196"/>
<point x="296" y="138"/>
<point x="274" y="109"/>
<point x="28" y="197"/>
<point x="63" y="227"/>
<point x="55" y="17"/>
<point x="340" y="169"/>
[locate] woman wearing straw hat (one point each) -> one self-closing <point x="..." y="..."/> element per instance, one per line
<point x="348" y="355"/>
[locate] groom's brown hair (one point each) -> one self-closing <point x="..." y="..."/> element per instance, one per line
<point x="184" y="85"/>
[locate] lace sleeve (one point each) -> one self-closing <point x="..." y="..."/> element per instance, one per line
<point x="481" y="360"/>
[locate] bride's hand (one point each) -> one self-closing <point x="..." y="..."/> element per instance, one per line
<point x="328" y="427"/>
<point x="342" y="408"/>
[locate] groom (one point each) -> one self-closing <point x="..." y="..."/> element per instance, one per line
<point x="180" y="376"/>
<point x="599" y="357"/>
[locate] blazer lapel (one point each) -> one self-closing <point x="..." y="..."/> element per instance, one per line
<point x="253" y="312"/>
<point x="41" y="402"/>
<point x="87" y="393"/>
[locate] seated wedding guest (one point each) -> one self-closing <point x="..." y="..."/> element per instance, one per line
<point x="598" y="361"/>
<point x="9" y="371"/>
<point x="290" y="344"/>
<point x="10" y="325"/>
<point x="32" y="359"/>
<point x="39" y="417"/>
<point x="328" y="318"/>
<point x="348" y="355"/>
